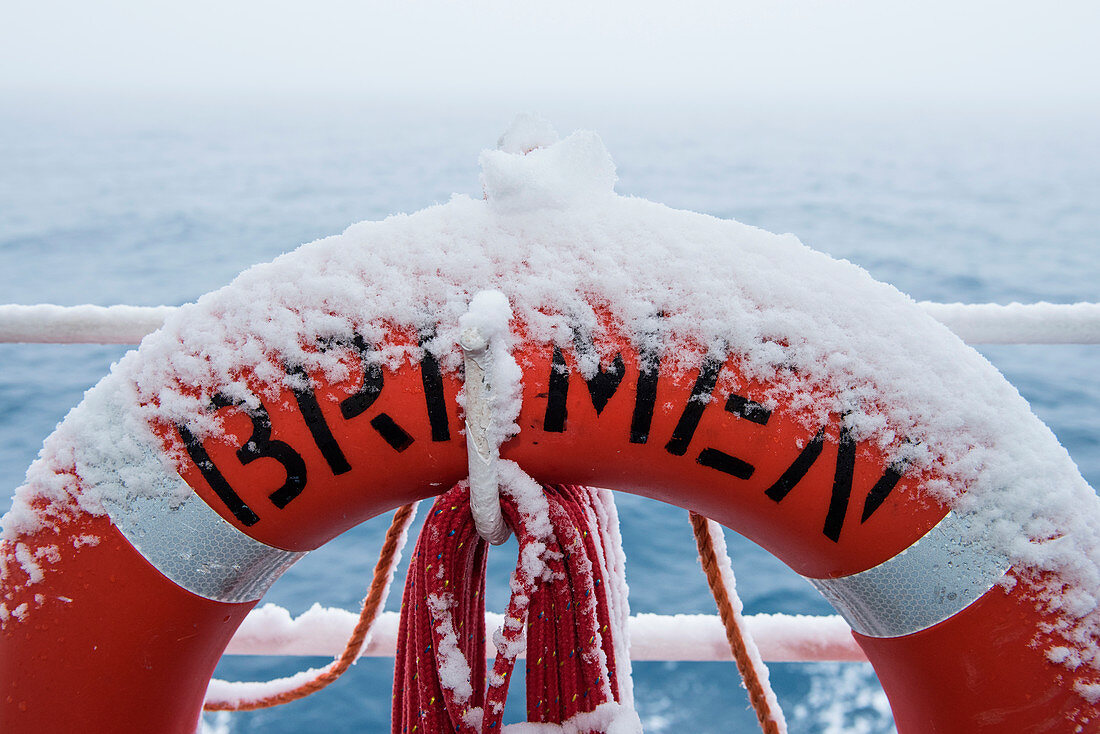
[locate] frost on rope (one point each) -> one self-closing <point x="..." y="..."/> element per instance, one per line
<point x="718" y="538"/>
<point x="551" y="235"/>
<point x="534" y="510"/>
<point x="613" y="717"/>
<point x="454" y="670"/>
<point x="610" y="554"/>
<point x="234" y="693"/>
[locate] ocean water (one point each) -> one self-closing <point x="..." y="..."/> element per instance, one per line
<point x="157" y="204"/>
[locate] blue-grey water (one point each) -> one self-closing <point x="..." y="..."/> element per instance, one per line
<point x="158" y="204"/>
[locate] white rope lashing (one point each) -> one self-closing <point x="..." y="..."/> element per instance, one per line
<point x="482" y="454"/>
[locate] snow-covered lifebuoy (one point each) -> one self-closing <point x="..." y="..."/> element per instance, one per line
<point x="694" y="360"/>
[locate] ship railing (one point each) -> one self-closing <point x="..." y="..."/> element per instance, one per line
<point x="975" y="323"/>
<point x="271" y="630"/>
<point x="323" y="632"/>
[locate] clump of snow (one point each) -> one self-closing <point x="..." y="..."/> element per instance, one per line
<point x="527" y="132"/>
<point x="1089" y="691"/>
<point x="27" y="561"/>
<point x="576" y="172"/>
<point x="489" y="314"/>
<point x="454" y="670"/>
<point x="565" y="251"/>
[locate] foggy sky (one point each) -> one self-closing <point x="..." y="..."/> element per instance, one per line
<point x="1025" y="53"/>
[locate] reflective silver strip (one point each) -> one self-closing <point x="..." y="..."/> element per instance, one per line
<point x="163" y="518"/>
<point x="937" y="577"/>
<point x="194" y="547"/>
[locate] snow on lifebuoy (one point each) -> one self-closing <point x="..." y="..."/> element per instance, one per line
<point x="620" y="298"/>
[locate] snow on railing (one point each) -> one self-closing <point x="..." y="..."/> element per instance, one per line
<point x="320" y="631"/>
<point x="49" y="324"/>
<point x="1019" y="323"/>
<point x="975" y="323"/>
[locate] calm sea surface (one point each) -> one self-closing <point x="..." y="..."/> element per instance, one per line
<point x="159" y="205"/>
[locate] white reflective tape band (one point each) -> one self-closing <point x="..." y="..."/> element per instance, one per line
<point x="194" y="547"/>
<point x="944" y="572"/>
<point x="172" y="527"/>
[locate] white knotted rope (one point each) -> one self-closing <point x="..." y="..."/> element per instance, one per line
<point x="482" y="454"/>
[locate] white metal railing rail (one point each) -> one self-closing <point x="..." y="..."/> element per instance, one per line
<point x="323" y="632"/>
<point x="50" y="324"/>
<point x="1019" y="323"/>
<point x="975" y="323"/>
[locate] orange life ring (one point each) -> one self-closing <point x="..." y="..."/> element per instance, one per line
<point x="117" y="609"/>
<point x="109" y="639"/>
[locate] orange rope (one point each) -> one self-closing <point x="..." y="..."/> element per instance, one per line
<point x="383" y="571"/>
<point x="734" y="635"/>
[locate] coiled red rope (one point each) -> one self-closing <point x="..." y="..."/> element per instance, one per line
<point x="560" y="595"/>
